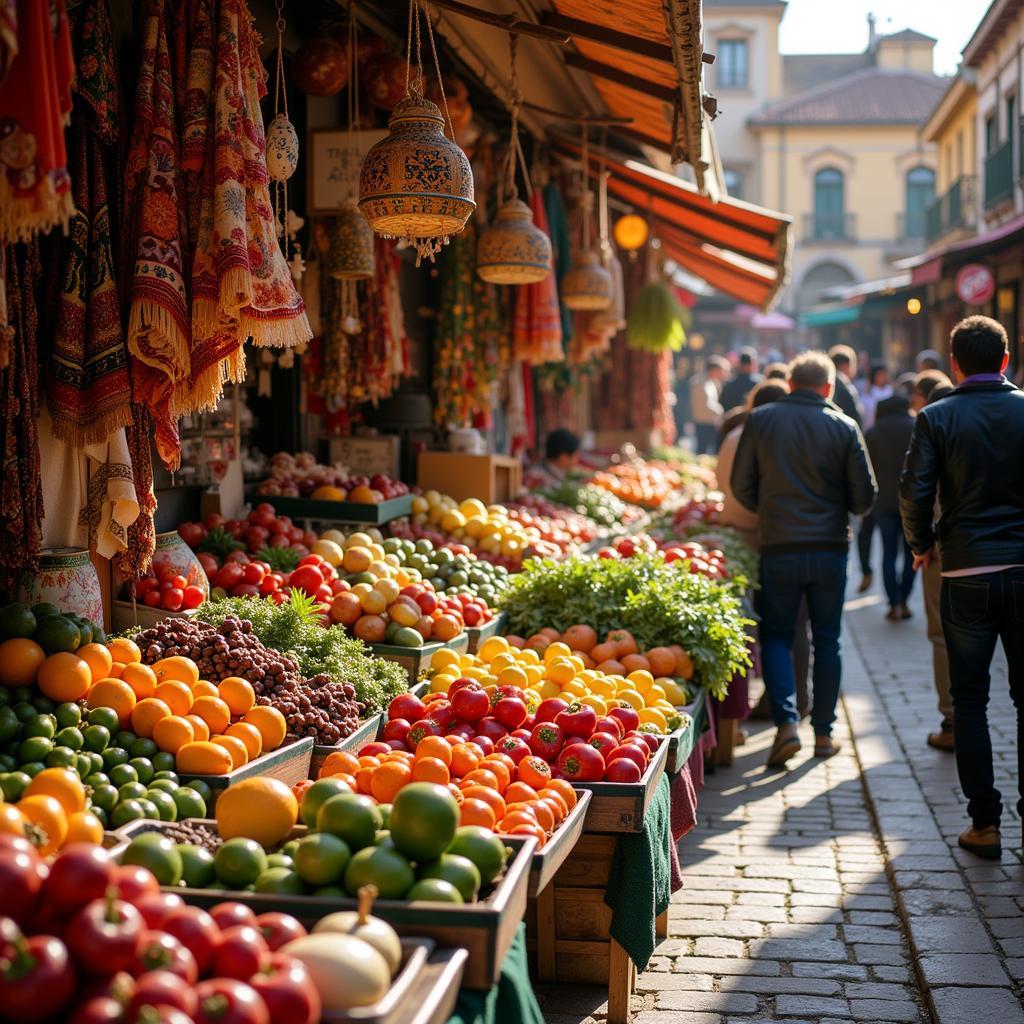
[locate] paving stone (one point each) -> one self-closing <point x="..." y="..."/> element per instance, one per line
<point x="870" y="954"/>
<point x="875" y="990"/>
<point x="876" y="936"/>
<point x="725" y="1002"/>
<point x="675" y="1017"/>
<point x="744" y="912"/>
<point x="900" y="975"/>
<point x="931" y="902"/>
<point x="710" y="946"/>
<point x="761" y="899"/>
<point x="969" y="1005"/>
<point x="863" y="917"/>
<point x="841" y="972"/>
<point x="727" y="929"/>
<point x="798" y="949"/>
<point x="977" y="969"/>
<point x="720" y="966"/>
<point x="949" y="934"/>
<point x="884" y="1009"/>
<point x="654" y="982"/>
<point x="776" y="986"/>
<point x="697" y="912"/>
<point x="811" y="1006"/>
<point x="1015" y="968"/>
<point x="1006" y="927"/>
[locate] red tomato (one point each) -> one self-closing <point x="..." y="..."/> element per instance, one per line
<point x="241" y="953"/>
<point x="278" y="929"/>
<point x="193" y="598"/>
<point x="581" y="763"/>
<point x="622" y="769"/>
<point x="197" y="931"/>
<point x="82" y="873"/>
<point x="232" y="913"/>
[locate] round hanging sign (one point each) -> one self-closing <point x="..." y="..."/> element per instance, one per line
<point x="975" y="284"/>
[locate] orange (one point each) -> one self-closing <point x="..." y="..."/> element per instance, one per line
<point x="12" y="821"/>
<point x="214" y="712"/>
<point x="177" y="667"/>
<point x="364" y="778"/>
<point x="20" y="659"/>
<point x="338" y="762"/>
<point x="172" y="732"/>
<point x="431" y="769"/>
<point x="204" y="688"/>
<point x="534" y="771"/>
<point x="556" y="800"/>
<point x="513" y="818"/>
<point x="84" y="827"/>
<point x="124" y="650"/>
<point x="564" y="789"/>
<point x="237" y="693"/>
<point x="62" y="784"/>
<point x="434" y="746"/>
<point x="499" y="770"/>
<point x="47" y="814"/>
<point x="388" y="779"/>
<point x="519" y="791"/>
<point x="525" y="829"/>
<point x="529" y="809"/>
<point x="504" y="759"/>
<point x="99" y="659"/>
<point x="271" y="723"/>
<point x="455" y="792"/>
<point x="476" y="812"/>
<point x="491" y="797"/>
<point x="397" y="755"/>
<point x="141" y="678"/>
<point x="480" y="777"/>
<point x="368" y="761"/>
<point x="112" y="693"/>
<point x="146" y="714"/>
<point x="249" y="735"/>
<point x="557" y="809"/>
<point x="176" y="695"/>
<point x="202" y="758"/>
<point x="545" y="816"/>
<point x="261" y="808"/>
<point x="464" y="758"/>
<point x="199" y="727"/>
<point x="235" y="747"/>
<point x="349" y="780"/>
<point x="64" y="677"/>
<point x="116" y="670"/>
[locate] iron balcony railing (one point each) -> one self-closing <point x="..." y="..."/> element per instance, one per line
<point x="955" y="208"/>
<point x="910" y="225"/>
<point x="829" y="227"/>
<point x="999" y="175"/>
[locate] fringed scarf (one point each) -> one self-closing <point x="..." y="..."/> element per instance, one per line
<point x="35" y="104"/>
<point x="537" y="327"/>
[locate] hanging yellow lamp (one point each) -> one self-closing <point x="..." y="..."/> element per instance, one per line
<point x="631" y="232"/>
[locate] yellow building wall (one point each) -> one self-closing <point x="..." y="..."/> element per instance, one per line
<point x="895" y="54"/>
<point x="957" y="144"/>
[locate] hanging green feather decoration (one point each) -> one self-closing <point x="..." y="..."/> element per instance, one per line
<point x="656" y="321"/>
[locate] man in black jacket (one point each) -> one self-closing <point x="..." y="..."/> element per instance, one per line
<point x="802" y="466"/>
<point x="969" y="449"/>
<point x="845" y="394"/>
<point x="736" y="390"/>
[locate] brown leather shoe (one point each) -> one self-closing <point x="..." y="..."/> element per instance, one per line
<point x="982" y="842"/>
<point x="786" y="744"/>
<point x="943" y="739"/>
<point x="825" y="746"/>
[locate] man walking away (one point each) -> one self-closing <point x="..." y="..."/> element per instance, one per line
<point x="879" y="387"/>
<point x="888" y="441"/>
<point x="845" y="395"/>
<point x="706" y="405"/>
<point x="736" y="390"/>
<point x="966" y="448"/>
<point x="803" y="467"/>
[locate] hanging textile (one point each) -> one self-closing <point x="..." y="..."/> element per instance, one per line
<point x="88" y="389"/>
<point x="35" y="105"/>
<point x="537" y="331"/>
<point x="8" y="36"/>
<point x="135" y="561"/>
<point x="242" y="285"/>
<point x="561" y="245"/>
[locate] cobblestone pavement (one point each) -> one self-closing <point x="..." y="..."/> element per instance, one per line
<point x="834" y="891"/>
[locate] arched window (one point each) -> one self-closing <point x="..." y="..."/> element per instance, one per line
<point x="829" y="205"/>
<point x="819" y="280"/>
<point x="920" y="193"/>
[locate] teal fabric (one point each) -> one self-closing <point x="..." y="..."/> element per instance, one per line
<point x="510" y="1001"/>
<point x="561" y="246"/>
<point x="639" y="887"/>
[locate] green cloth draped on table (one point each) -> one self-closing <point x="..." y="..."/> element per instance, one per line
<point x="639" y="888"/>
<point x="510" y="1001"/>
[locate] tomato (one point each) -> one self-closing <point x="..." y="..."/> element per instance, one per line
<point x="229" y="575"/>
<point x="105" y="935"/>
<point x="83" y="872"/>
<point x="307" y="578"/>
<point x="548" y="710"/>
<point x="21" y="882"/>
<point x="491" y="728"/>
<point x="253" y="573"/>
<point x="241" y="952"/>
<point x="581" y="763"/>
<point x="226" y="1001"/>
<point x="407" y="706"/>
<point x="629" y="717"/>
<point x="469" y="702"/>
<point x="38" y="980"/>
<point x="160" y="951"/>
<point x="603" y="742"/>
<point x="193" y="598"/>
<point x="516" y="747"/>
<point x="161" y="988"/>
<point x="145" y="585"/>
<point x="133" y="881"/>
<point x="577" y="720"/>
<point x="155" y="906"/>
<point x="288" y="991"/>
<point x="278" y="929"/>
<point x="192" y="533"/>
<point x="629" y="750"/>
<point x="152" y="598"/>
<point x="422" y="729"/>
<point x="395" y="729"/>
<point x="612" y="726"/>
<point x="99" y="1009"/>
<point x="510" y="711"/>
<point x="546" y="740"/>
<point x="622" y="769"/>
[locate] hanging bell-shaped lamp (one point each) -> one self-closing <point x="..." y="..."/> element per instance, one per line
<point x="513" y="250"/>
<point x="588" y="285"/>
<point x="416" y="184"/>
<point x="351" y="254"/>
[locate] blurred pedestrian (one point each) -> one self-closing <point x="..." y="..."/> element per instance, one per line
<point x="776" y="371"/>
<point x="706" y="405"/>
<point x="927" y="359"/>
<point x="845" y="395"/>
<point x="735" y="391"/>
<point x="966" y="450"/>
<point x="561" y="456"/>
<point x="887" y="443"/>
<point x="879" y="387"/>
<point x="801" y="465"/>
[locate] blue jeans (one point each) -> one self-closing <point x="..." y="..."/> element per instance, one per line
<point x="976" y="612"/>
<point x="897" y="585"/>
<point x="786" y="578"/>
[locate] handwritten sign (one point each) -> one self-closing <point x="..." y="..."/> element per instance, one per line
<point x="335" y="159"/>
<point x="364" y="456"/>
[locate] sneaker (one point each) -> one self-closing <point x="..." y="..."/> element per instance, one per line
<point x="943" y="739"/>
<point x="865" y="584"/>
<point x="982" y="842"/>
<point x="786" y="744"/>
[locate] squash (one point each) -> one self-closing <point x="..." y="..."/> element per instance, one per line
<point x="346" y="971"/>
<point x="373" y="930"/>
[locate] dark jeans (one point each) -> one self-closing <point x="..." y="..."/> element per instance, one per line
<point x="864" y="537"/>
<point x="819" y="577"/>
<point x="897" y="585"/>
<point x="707" y="438"/>
<point x="977" y="611"/>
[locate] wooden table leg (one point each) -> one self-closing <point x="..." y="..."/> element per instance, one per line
<point x="724" y="752"/>
<point x="661" y="925"/>
<point x="546" y="962"/>
<point x="620" y="983"/>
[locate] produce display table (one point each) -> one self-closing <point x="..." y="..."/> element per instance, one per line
<point x="432" y="997"/>
<point x="510" y="1001"/>
<point x="308" y="510"/>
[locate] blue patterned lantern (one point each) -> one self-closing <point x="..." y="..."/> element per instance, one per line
<point x="513" y="250"/>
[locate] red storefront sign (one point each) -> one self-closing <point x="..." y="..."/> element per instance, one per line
<point x="975" y="284"/>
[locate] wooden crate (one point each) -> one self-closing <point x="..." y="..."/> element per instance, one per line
<point x="548" y="861"/>
<point x="395" y="1007"/>
<point x="491" y="478"/>
<point x="338" y="511"/>
<point x="478" y="634"/>
<point x="366" y="732"/>
<point x="417" y="659"/>
<point x="289" y="763"/>
<point x="436" y="992"/>
<point x="682" y="741"/>
<point x="621" y="806"/>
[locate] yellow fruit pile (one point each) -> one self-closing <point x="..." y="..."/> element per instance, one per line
<point x="487" y="528"/>
<point x="560" y="673"/>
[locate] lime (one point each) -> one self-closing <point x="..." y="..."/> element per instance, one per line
<point x="280" y="880"/>
<point x="32" y="768"/>
<point x="280" y="860"/>
<point x="8" y="763"/>
<point x="483" y="848"/>
<point x="435" y="890"/>
<point x="43" y="705"/>
<point x="163" y="761"/>
<point x="321" y="858"/>
<point x="16" y="619"/>
<point x="460" y="871"/>
<point x="24" y="711"/>
<point x="95" y="760"/>
<point x="167" y="776"/>
<point x="164" y="804"/>
<point x="34" y="749"/>
<point x="85" y="632"/>
<point x="127" y="810"/>
<point x="83" y="765"/>
<point x="122" y="773"/>
<point x="189" y="803"/>
<point x="156" y="852"/>
<point x="105" y="796"/>
<point x="143" y="748"/>
<point x="351" y="817"/>
<point x="387" y="869"/>
<point x="9" y="724"/>
<point x="57" y="633"/>
<point x="12" y="784"/>
<point x="143" y="768"/>
<point x="330" y="892"/>
<point x="107" y="717"/>
<point x="385" y="815"/>
<point x="197" y="866"/>
<point x="68" y="714"/>
<point x="165" y="784"/>
<point x="61" y="757"/>
<point x="41" y="725"/>
<point x="132" y="791"/>
<point x="69" y="737"/>
<point x="114" y="756"/>
<point x="95" y="779"/>
<point x="202" y="788"/>
<point x="125" y="739"/>
<point x="101" y="815"/>
<point x="289" y="848"/>
<point x="95" y="737"/>
<point x="239" y="861"/>
<point x="316" y="795"/>
<point x="424" y="817"/>
<point x="43" y="609"/>
<point x="383" y="838"/>
<point x="20" y="693"/>
<point x="149" y="808"/>
<point x="5" y="697"/>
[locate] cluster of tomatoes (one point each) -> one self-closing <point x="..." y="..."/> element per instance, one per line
<point x="647" y="484"/>
<point x="698" y="510"/>
<point x="90" y="942"/>
<point x="166" y="588"/>
<point x="263" y="527"/>
<point x="698" y="558"/>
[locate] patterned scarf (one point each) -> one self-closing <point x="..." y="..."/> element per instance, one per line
<point x="35" y="104"/>
<point x="8" y="35"/>
<point x="88" y="389"/>
<point x="537" y="328"/>
<point x="241" y="284"/>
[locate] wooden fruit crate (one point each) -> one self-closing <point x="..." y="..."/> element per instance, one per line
<point x="433" y="997"/>
<point x="289" y="763"/>
<point x="417" y="659"/>
<point x="478" y="634"/>
<point x="338" y="511"/>
<point x="366" y="732"/>
<point x="395" y="1006"/>
<point x="548" y="861"/>
<point x="621" y="806"/>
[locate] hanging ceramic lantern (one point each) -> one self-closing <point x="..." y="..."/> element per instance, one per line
<point x="282" y="148"/>
<point x="588" y="285"/>
<point x="631" y="232"/>
<point x="351" y="255"/>
<point x="320" y="67"/>
<point x="513" y="250"/>
<point x="416" y="184"/>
